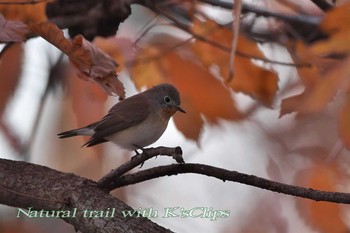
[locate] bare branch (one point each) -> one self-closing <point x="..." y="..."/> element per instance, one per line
<point x="323" y="4"/>
<point x="234" y="176"/>
<point x="236" y="14"/>
<point x="186" y="27"/>
<point x="305" y="19"/>
<point x="106" y="182"/>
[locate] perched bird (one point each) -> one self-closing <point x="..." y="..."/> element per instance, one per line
<point x="135" y="122"/>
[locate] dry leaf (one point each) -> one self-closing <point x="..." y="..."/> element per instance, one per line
<point x="97" y="65"/>
<point x="92" y="63"/>
<point x="332" y="81"/>
<point x="255" y="81"/>
<point x="344" y="122"/>
<point x="12" y="31"/>
<point x="191" y="123"/>
<point x="291" y="104"/>
<point x="10" y="72"/>
<point x="88" y="102"/>
<point x="121" y="49"/>
<point x="311" y="77"/>
<point x="335" y="23"/>
<point x="27" y="13"/>
<point x="201" y="92"/>
<point x="322" y="216"/>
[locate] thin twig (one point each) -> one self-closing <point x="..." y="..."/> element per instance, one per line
<point x="13" y="139"/>
<point x="236" y="13"/>
<point x="145" y="29"/>
<point x="322" y="4"/>
<point x="25" y="152"/>
<point x="107" y="181"/>
<point x="301" y="18"/>
<point x="226" y="175"/>
<point x="216" y="44"/>
<point x="160" y="54"/>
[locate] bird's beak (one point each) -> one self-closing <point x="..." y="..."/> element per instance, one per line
<point x="180" y="109"/>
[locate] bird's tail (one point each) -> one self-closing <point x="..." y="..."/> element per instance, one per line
<point x="88" y="130"/>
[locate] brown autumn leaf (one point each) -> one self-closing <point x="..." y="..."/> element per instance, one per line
<point x="10" y="72"/>
<point x="249" y="78"/>
<point x="312" y="65"/>
<point x="92" y="63"/>
<point x="121" y="49"/>
<point x="335" y="23"/>
<point x="291" y="104"/>
<point x="327" y="76"/>
<point x="201" y="92"/>
<point x="191" y="123"/>
<point x="311" y="71"/>
<point x="88" y="102"/>
<point x="344" y="122"/>
<point x="27" y="13"/>
<point x="324" y="217"/>
<point x="324" y="91"/>
<point x="12" y="31"/>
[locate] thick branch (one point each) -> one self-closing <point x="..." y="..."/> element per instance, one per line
<point x="27" y="185"/>
<point x="234" y="176"/>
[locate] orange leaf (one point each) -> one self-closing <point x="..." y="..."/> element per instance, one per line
<point x="27" y="13"/>
<point x="12" y="31"/>
<point x="87" y="102"/>
<point x="189" y="124"/>
<point x="207" y="94"/>
<point x="118" y="48"/>
<point x="336" y="44"/>
<point x="291" y="104"/>
<point x="200" y="91"/>
<point x="302" y="54"/>
<point x="335" y="23"/>
<point x="344" y="122"/>
<point x="323" y="216"/>
<point x="259" y="83"/>
<point x="255" y="81"/>
<point x="10" y="72"/>
<point x="336" y="18"/>
<point x="334" y="80"/>
<point x="311" y="77"/>
<point x="92" y="63"/>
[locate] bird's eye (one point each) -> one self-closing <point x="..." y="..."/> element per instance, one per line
<point x="167" y="99"/>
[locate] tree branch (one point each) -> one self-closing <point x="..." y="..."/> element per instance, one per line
<point x="323" y="4"/>
<point x="305" y="19"/>
<point x="226" y="175"/>
<point x="106" y="181"/>
<point x="186" y="26"/>
<point x="27" y="185"/>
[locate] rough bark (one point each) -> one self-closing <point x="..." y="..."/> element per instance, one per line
<point x="27" y="185"/>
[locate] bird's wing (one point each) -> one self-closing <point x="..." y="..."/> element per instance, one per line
<point x="123" y="115"/>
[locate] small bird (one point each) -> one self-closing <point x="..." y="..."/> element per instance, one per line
<point x="135" y="122"/>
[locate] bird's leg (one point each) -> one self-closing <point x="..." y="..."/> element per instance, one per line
<point x="138" y="148"/>
<point x="137" y="153"/>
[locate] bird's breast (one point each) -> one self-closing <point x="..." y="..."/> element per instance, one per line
<point x="143" y="134"/>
